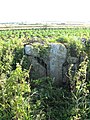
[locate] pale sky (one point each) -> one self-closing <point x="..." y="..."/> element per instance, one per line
<point x="44" y="10"/>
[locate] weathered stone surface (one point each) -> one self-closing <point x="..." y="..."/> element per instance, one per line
<point x="50" y="65"/>
<point x="39" y="64"/>
<point x="37" y="70"/>
<point x="29" y="50"/>
<point x="57" y="58"/>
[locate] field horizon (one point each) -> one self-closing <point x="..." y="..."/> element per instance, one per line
<point x="23" y="25"/>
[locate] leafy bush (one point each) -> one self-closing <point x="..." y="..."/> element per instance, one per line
<point x="22" y="99"/>
<point x="49" y="102"/>
<point x="14" y="95"/>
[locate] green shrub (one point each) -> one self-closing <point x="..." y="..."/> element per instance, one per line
<point x="22" y="99"/>
<point x="15" y="95"/>
<point x="80" y="93"/>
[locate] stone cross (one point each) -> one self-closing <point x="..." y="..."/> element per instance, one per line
<point x="57" y="56"/>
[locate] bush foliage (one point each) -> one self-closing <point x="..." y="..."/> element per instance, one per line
<point x="25" y="99"/>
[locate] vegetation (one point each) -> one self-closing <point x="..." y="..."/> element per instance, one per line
<point x="25" y="99"/>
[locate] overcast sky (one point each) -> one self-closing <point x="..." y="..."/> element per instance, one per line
<point x="44" y="10"/>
